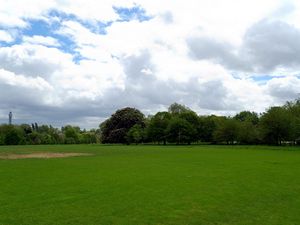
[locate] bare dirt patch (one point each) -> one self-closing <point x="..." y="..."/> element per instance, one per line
<point x="42" y="155"/>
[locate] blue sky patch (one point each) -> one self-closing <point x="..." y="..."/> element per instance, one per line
<point x="97" y="27"/>
<point x="263" y="79"/>
<point x="134" y="13"/>
<point x="40" y="27"/>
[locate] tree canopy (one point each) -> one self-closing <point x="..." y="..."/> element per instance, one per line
<point x="114" y="129"/>
<point x="179" y="125"/>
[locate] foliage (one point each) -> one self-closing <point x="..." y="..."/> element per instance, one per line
<point x="294" y="109"/>
<point x="13" y="135"/>
<point x="114" y="129"/>
<point x="277" y="125"/>
<point x="157" y="126"/>
<point x="248" y="133"/>
<point x="71" y="134"/>
<point x="226" y="131"/>
<point x="247" y="116"/>
<point x="176" y="108"/>
<point x="44" y="134"/>
<point x="207" y="127"/>
<point x="136" y="134"/>
<point x="180" y="131"/>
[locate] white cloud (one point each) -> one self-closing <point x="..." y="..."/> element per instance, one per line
<point x="15" y="13"/>
<point x="23" y="81"/>
<point x="92" y="10"/>
<point x="37" y="39"/>
<point x="148" y="64"/>
<point x="33" y="60"/>
<point x="5" y="36"/>
<point x="284" y="88"/>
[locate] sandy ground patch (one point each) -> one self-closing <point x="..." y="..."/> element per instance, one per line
<point x="42" y="155"/>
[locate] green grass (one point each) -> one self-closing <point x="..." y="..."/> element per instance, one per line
<point x="136" y="185"/>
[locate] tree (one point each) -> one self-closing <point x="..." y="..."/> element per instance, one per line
<point x="248" y="133"/>
<point x="207" y="127"/>
<point x="88" y="137"/>
<point x="71" y="134"/>
<point x="277" y="125"/>
<point x="294" y="109"/>
<point x="34" y="138"/>
<point x="226" y="131"/>
<point x="13" y="135"/>
<point x="56" y="135"/>
<point x="180" y="131"/>
<point x="247" y="116"/>
<point x="176" y="108"/>
<point x="135" y="134"/>
<point x="114" y="129"/>
<point x="192" y="118"/>
<point x="156" y="129"/>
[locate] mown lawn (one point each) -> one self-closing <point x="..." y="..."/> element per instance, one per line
<point x="136" y="185"/>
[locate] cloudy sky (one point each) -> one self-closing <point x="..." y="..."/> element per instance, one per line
<point x="77" y="61"/>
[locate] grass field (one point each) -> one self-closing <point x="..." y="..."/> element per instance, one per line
<point x="136" y="185"/>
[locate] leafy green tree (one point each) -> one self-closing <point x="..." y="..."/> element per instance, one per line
<point x="247" y="116"/>
<point x="135" y="134"/>
<point x="294" y="109"/>
<point x="13" y="135"/>
<point x="114" y="130"/>
<point x="248" y="133"/>
<point x="2" y="139"/>
<point x="35" y="138"/>
<point x="26" y="128"/>
<point x="88" y="137"/>
<point x="46" y="139"/>
<point x="192" y="118"/>
<point x="176" y="108"/>
<point x="157" y="126"/>
<point x="180" y="131"/>
<point x="117" y="136"/>
<point x="56" y="135"/>
<point x="226" y="131"/>
<point x="277" y="125"/>
<point x="207" y="127"/>
<point x="44" y="129"/>
<point x="71" y="134"/>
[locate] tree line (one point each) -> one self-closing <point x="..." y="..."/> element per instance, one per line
<point x="34" y="134"/>
<point x="178" y="125"/>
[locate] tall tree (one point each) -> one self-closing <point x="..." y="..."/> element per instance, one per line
<point x="193" y="119"/>
<point x="248" y="132"/>
<point x="180" y="131"/>
<point x="226" y="131"/>
<point x="247" y="116"/>
<point x="71" y="134"/>
<point x="135" y="134"/>
<point x="207" y="127"/>
<point x="277" y="125"/>
<point x="176" y="108"/>
<point x="114" y="129"/>
<point x="294" y="108"/>
<point x="14" y="135"/>
<point x="157" y="126"/>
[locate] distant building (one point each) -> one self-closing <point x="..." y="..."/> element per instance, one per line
<point x="10" y="118"/>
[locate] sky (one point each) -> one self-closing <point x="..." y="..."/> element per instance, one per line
<point x="78" y="61"/>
